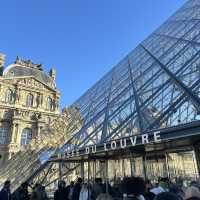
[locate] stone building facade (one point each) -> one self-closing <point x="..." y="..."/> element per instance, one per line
<point x="29" y="100"/>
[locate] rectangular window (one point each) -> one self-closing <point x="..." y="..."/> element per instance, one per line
<point x="3" y="135"/>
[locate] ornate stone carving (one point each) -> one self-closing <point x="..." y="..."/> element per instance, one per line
<point x="31" y="82"/>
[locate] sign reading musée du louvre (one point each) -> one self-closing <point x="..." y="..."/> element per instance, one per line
<point x="115" y="145"/>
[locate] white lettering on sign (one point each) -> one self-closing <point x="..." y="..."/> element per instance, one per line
<point x="94" y="149"/>
<point x="105" y="147"/>
<point x="113" y="145"/>
<point x="157" y="136"/>
<point x="121" y="144"/>
<point x="133" y="141"/>
<point x="87" y="150"/>
<point x="145" y="139"/>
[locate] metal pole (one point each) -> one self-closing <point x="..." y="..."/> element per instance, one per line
<point x="167" y="165"/>
<point x="106" y="168"/>
<point x="82" y="170"/>
<point x="194" y="164"/>
<point x="88" y="179"/>
<point x="144" y="166"/>
<point x="197" y="158"/>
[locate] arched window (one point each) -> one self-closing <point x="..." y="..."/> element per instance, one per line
<point x="3" y="135"/>
<point x="9" y="96"/>
<point x="26" y="136"/>
<point x="49" y="104"/>
<point x="29" y="100"/>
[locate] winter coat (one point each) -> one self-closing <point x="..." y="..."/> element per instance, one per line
<point x="5" y="194"/>
<point x="76" y="191"/>
<point x="61" y="194"/>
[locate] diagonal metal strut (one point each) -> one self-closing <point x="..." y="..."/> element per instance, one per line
<point x="193" y="97"/>
<point x="136" y="100"/>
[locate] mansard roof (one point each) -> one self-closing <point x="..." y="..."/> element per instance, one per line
<point x="23" y="68"/>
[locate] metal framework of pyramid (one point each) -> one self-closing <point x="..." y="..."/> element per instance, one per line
<point x="155" y="86"/>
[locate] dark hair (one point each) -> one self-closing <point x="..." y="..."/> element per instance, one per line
<point x="6" y="183"/>
<point x="24" y="185"/>
<point x="79" y="180"/>
<point x="133" y="185"/>
<point x="193" y="198"/>
<point x="61" y="183"/>
<point x="167" y="196"/>
<point x="98" y="180"/>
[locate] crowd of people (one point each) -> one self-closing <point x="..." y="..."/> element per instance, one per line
<point x="130" y="188"/>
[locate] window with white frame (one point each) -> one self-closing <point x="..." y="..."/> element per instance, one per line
<point x="26" y="136"/>
<point x="29" y="100"/>
<point x="3" y="135"/>
<point x="49" y="103"/>
<point x="9" y="96"/>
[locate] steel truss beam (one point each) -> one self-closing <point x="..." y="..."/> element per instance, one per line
<point x="173" y="106"/>
<point x="176" y="38"/>
<point x="194" y="98"/>
<point x="136" y="98"/>
<point x="105" y="123"/>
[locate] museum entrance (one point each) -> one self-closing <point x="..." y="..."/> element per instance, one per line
<point x="178" y="165"/>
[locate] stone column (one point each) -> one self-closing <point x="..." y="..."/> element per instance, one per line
<point x="19" y="134"/>
<point x="40" y="125"/>
<point x="13" y="133"/>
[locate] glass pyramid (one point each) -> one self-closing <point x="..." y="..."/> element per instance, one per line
<point x="157" y="85"/>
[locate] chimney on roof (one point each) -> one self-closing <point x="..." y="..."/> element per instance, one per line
<point x="2" y="62"/>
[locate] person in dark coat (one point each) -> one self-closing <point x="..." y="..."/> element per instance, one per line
<point x="70" y="189"/>
<point x="61" y="193"/>
<point x="98" y="188"/>
<point x="77" y="189"/>
<point x="5" y="192"/>
<point x="39" y="192"/>
<point x="133" y="187"/>
<point x="22" y="192"/>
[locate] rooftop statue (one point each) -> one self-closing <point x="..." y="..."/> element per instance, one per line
<point x="28" y="63"/>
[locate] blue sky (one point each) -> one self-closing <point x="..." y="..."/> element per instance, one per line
<point x="82" y="39"/>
